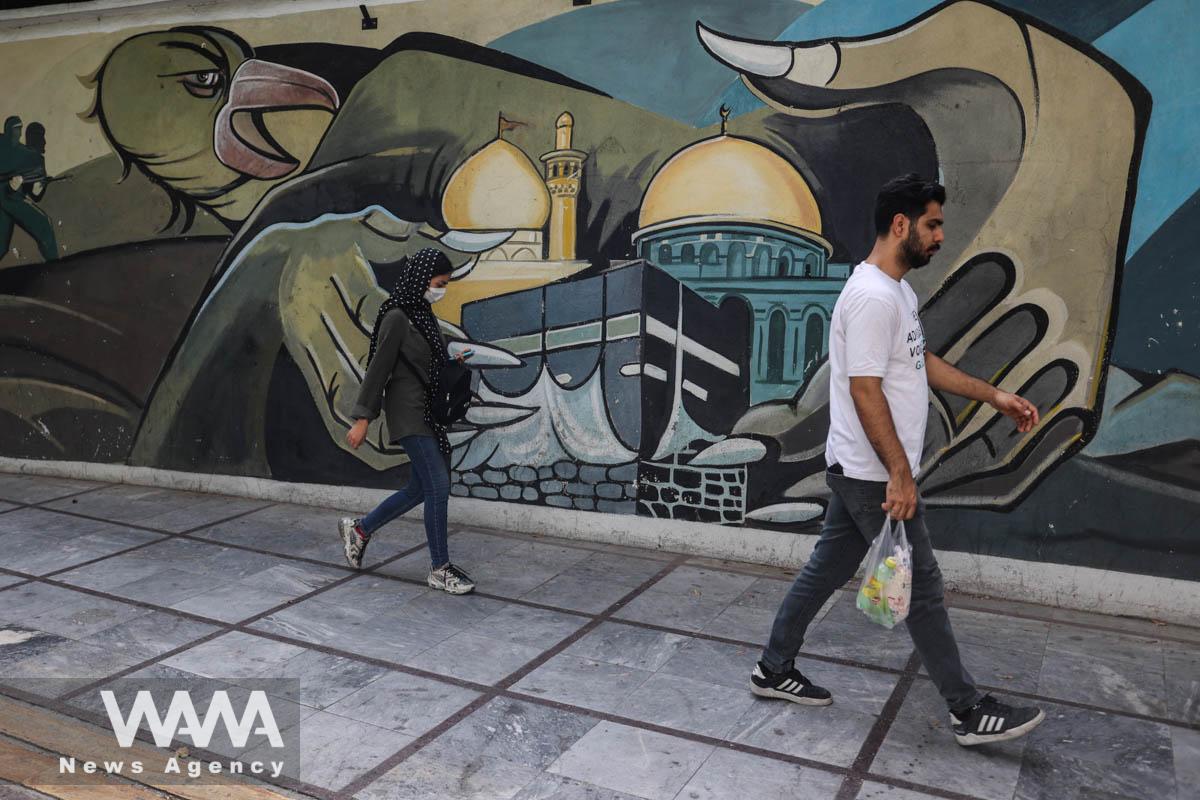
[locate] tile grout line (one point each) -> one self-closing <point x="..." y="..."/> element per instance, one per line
<point x="503" y="685"/>
<point x="883" y="723"/>
<point x="190" y="534"/>
<point x="240" y="626"/>
<point x="228" y="627"/>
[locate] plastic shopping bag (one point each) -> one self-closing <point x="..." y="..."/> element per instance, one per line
<point x="887" y="583"/>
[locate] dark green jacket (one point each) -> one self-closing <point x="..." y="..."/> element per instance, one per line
<point x="390" y="382"/>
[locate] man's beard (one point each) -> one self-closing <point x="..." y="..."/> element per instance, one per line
<point x="911" y="251"/>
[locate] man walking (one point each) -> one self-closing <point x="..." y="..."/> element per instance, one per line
<point x="880" y="376"/>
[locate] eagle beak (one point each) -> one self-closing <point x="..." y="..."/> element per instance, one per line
<point x="241" y="139"/>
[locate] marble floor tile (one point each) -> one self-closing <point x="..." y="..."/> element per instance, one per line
<point x="845" y="632"/>
<point x="765" y="594"/>
<point x="63" y="667"/>
<point x="293" y="578"/>
<point x="315" y="679"/>
<point x="37" y="489"/>
<point x="609" y="567"/>
<point x="451" y="611"/>
<point x="653" y="765"/>
<point x="235" y="655"/>
<point x="577" y="594"/>
<point x="79" y="620"/>
<point x="831" y="734"/>
<point x="149" y="635"/>
<point x="404" y="703"/>
<point x="994" y="630"/>
<point x="532" y="627"/>
<point x="19" y="642"/>
<point x="166" y="586"/>
<point x="106" y="575"/>
<point x="9" y="580"/>
<point x="714" y="662"/>
<point x="480" y="545"/>
<point x="882" y="791"/>
<point x="49" y="525"/>
<point x="163" y="509"/>
<point x="1087" y="754"/>
<point x="1185" y="746"/>
<point x="1083" y="644"/>
<point x="583" y="682"/>
<point x="424" y="776"/>
<point x="1181" y="665"/>
<point x="333" y="750"/>
<point x="1011" y="670"/>
<point x="920" y="747"/>
<point x="557" y="787"/>
<point x="22" y="602"/>
<point x="707" y="585"/>
<point x="514" y="730"/>
<point x="347" y="629"/>
<point x="372" y="594"/>
<point x="1118" y="685"/>
<point x="57" y="554"/>
<point x="628" y="646"/>
<point x="471" y="657"/>
<point x="681" y="612"/>
<point x="232" y="602"/>
<point x="1132" y="625"/>
<point x="730" y="774"/>
<point x="861" y="690"/>
<point x="686" y="704"/>
<point x="742" y="623"/>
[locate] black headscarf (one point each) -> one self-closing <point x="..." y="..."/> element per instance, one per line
<point x="408" y="295"/>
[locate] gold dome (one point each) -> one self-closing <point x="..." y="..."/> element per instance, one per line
<point x="729" y="178"/>
<point x="496" y="189"/>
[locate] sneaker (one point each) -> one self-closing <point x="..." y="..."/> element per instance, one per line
<point x="989" y="720"/>
<point x="790" y="685"/>
<point x="354" y="541"/>
<point x="451" y="579"/>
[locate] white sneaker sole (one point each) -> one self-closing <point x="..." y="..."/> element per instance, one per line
<point x="972" y="739"/>
<point x="346" y="531"/>
<point x="775" y="694"/>
<point x="441" y="587"/>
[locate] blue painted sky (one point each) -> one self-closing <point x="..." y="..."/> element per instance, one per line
<point x="646" y="51"/>
<point x="1160" y="45"/>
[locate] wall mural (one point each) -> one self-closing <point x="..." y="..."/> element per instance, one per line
<point x="647" y="258"/>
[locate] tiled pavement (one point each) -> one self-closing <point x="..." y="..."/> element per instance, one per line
<point x="578" y="670"/>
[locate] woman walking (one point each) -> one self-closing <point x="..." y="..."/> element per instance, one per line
<point x="407" y="354"/>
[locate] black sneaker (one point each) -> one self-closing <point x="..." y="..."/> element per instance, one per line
<point x="354" y="541"/>
<point x="989" y="720"/>
<point x="790" y="685"/>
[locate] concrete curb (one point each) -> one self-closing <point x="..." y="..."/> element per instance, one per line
<point x="1064" y="586"/>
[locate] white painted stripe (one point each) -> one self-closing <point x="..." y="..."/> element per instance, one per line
<point x="656" y="372"/>
<point x="690" y="346"/>
<point x="693" y="389"/>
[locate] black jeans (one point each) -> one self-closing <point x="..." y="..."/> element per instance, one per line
<point x="852" y="521"/>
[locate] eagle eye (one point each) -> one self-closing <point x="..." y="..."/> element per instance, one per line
<point x="203" y="84"/>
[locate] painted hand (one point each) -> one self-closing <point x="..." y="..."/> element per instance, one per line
<point x="1027" y="304"/>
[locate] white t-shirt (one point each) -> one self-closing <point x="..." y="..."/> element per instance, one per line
<point x="876" y="332"/>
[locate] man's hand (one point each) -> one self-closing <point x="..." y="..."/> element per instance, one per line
<point x="901" y="502"/>
<point x="15" y="182"/>
<point x="1020" y="410"/>
<point x="357" y="433"/>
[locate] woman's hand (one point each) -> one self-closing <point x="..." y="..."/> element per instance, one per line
<point x="357" y="433"/>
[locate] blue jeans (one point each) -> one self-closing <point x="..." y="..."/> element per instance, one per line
<point x="852" y="521"/>
<point x="428" y="483"/>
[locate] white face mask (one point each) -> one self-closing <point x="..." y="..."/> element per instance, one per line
<point x="433" y="295"/>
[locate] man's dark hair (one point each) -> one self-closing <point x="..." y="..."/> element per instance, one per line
<point x="907" y="195"/>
